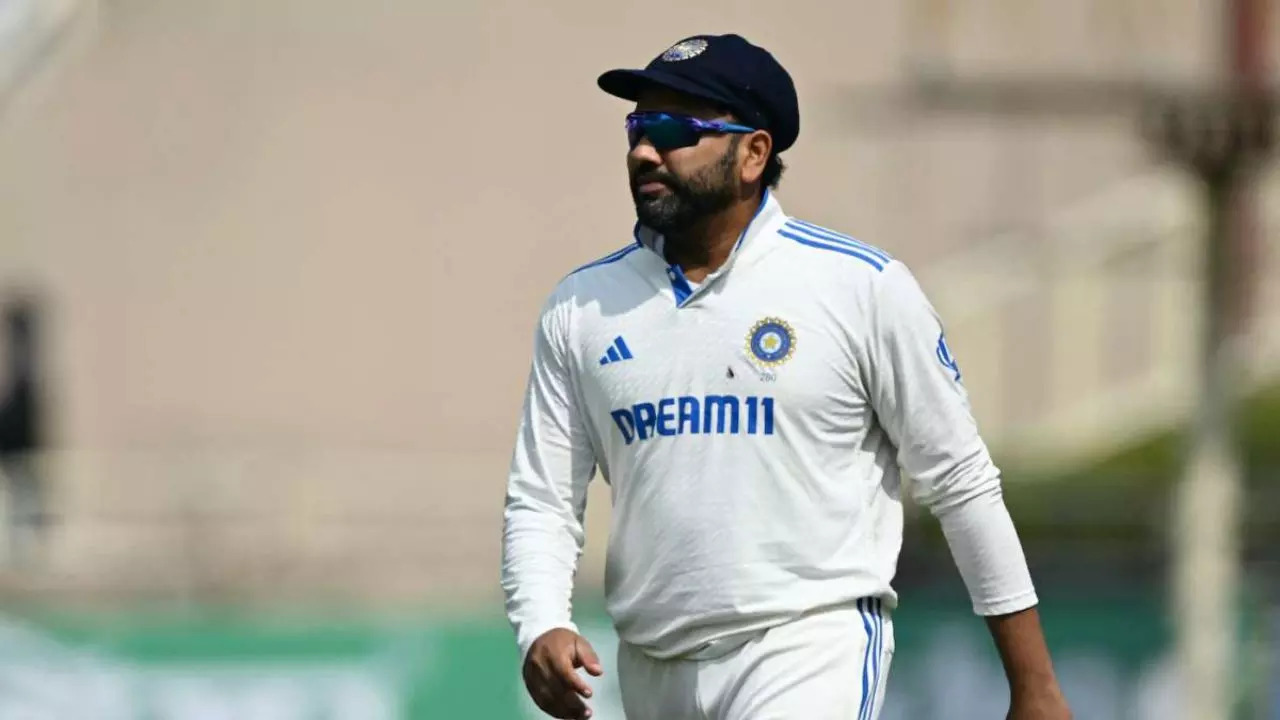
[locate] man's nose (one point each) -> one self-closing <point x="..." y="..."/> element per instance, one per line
<point x="644" y="152"/>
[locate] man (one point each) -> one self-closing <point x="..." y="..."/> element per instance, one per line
<point x="748" y="384"/>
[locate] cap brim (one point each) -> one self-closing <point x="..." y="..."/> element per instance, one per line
<point x="628" y="84"/>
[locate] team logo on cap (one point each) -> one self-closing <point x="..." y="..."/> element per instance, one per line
<point x="771" y="341"/>
<point x="685" y="49"/>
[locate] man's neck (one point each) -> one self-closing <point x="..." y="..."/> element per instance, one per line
<point x="706" y="247"/>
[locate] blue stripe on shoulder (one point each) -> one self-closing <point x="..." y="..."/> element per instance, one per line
<point x="821" y="233"/>
<point x="872" y="260"/>
<point x="612" y="257"/>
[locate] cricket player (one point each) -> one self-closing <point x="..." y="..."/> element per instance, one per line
<point x="756" y="390"/>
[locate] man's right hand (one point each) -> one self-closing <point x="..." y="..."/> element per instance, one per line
<point x="551" y="673"/>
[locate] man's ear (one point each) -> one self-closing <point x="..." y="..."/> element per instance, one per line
<point x="753" y="153"/>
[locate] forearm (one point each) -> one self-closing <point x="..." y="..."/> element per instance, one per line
<point x="1023" y="652"/>
<point x="987" y="551"/>
<point x="985" y="546"/>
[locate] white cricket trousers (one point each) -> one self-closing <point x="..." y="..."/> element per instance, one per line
<point x="828" y="665"/>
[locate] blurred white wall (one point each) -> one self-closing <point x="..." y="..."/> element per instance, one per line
<point x="294" y="250"/>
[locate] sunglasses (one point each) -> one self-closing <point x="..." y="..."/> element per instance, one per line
<point x="668" y="131"/>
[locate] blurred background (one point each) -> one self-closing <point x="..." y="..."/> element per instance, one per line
<point x="269" y="272"/>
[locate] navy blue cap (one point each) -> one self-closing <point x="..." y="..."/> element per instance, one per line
<point x="726" y="70"/>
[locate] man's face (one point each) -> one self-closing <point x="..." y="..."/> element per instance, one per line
<point x="675" y="189"/>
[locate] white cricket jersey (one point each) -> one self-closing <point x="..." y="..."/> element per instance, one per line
<point x="751" y="431"/>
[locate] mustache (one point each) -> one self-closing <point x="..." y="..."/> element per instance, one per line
<point x="648" y="175"/>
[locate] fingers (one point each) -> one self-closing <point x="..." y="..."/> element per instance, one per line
<point x="575" y="708"/>
<point x="562" y="704"/>
<point x="568" y="674"/>
<point x="586" y="657"/>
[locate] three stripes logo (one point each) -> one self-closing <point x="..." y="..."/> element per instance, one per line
<point x="618" y="352"/>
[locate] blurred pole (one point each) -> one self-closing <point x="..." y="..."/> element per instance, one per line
<point x="1207" y="528"/>
<point x="1248" y="26"/>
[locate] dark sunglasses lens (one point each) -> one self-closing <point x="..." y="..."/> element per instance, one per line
<point x="666" y="133"/>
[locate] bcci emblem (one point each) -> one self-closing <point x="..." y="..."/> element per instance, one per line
<point x="771" y="342"/>
<point x="685" y="49"/>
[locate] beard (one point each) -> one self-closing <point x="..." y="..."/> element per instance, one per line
<point x="688" y="201"/>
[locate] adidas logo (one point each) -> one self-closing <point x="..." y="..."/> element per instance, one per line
<point x="617" y="352"/>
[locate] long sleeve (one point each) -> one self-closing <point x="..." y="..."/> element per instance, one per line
<point x="916" y="390"/>
<point x="546" y="496"/>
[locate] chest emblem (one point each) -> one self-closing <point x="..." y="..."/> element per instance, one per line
<point x="771" y="342"/>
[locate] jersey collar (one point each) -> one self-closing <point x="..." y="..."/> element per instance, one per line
<point x="751" y="241"/>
